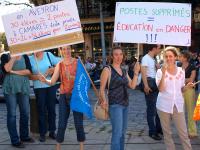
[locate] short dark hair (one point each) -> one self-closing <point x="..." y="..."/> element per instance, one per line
<point x="186" y="54"/>
<point x="151" y="46"/>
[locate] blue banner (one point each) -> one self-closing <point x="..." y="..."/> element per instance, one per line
<point x="79" y="100"/>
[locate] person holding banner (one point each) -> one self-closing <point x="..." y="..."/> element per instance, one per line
<point x="43" y="63"/>
<point x="189" y="93"/>
<point x="170" y="80"/>
<point x="66" y="70"/>
<point x="148" y="70"/>
<point x="117" y="96"/>
<point x="16" y="90"/>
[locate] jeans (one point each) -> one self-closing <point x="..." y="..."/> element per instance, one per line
<point x="152" y="116"/>
<point x="24" y="108"/>
<point x="64" y="112"/>
<point x="118" y="118"/>
<point x="46" y="101"/>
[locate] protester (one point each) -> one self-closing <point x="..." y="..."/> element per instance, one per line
<point x="170" y="104"/>
<point x="66" y="70"/>
<point x="189" y="93"/>
<point x="16" y="90"/>
<point x="90" y="64"/>
<point x="43" y="63"/>
<point x="148" y="70"/>
<point x="117" y="97"/>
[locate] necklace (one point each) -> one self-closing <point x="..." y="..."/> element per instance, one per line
<point x="69" y="70"/>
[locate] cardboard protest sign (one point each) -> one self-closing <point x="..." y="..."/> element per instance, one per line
<point x="153" y="23"/>
<point x="43" y="27"/>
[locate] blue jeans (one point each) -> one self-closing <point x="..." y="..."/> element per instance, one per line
<point x="64" y="112"/>
<point x="118" y="118"/>
<point x="24" y="109"/>
<point x="46" y="101"/>
<point x="152" y="116"/>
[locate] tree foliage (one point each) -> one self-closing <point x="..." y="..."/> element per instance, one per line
<point x="4" y="41"/>
<point x="8" y="3"/>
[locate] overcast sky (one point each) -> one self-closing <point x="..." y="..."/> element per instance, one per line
<point x="10" y="9"/>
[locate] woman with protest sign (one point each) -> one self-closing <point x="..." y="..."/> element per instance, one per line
<point x="44" y="63"/>
<point x="117" y="96"/>
<point x="16" y="91"/>
<point x="66" y="70"/>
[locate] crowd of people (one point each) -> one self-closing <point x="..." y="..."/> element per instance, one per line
<point x="168" y="88"/>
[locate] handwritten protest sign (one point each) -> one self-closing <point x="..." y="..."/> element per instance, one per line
<point x="153" y="23"/>
<point x="43" y="27"/>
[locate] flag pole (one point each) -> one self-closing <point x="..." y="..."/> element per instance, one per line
<point x="94" y="87"/>
<point x="197" y="82"/>
<point x="138" y="52"/>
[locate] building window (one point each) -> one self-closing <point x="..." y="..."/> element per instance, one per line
<point x="97" y="48"/>
<point x="78" y="50"/>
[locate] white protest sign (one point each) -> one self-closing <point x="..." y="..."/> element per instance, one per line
<point x="43" y="27"/>
<point x="153" y="23"/>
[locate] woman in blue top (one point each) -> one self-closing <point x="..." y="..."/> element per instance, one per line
<point x="16" y="90"/>
<point x="43" y="63"/>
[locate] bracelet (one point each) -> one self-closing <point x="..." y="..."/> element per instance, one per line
<point x="135" y="74"/>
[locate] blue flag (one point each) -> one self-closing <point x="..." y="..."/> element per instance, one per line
<point x="79" y="100"/>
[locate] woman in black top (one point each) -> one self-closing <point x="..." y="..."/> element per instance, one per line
<point x="189" y="93"/>
<point x="118" y="96"/>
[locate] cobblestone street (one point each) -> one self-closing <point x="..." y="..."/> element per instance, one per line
<point x="98" y="133"/>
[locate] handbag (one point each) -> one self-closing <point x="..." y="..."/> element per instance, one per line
<point x="196" y="115"/>
<point x="99" y="112"/>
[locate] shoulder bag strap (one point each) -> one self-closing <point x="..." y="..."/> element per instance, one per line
<point x="49" y="58"/>
<point x="109" y="77"/>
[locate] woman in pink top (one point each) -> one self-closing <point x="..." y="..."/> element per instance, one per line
<point x="170" y="103"/>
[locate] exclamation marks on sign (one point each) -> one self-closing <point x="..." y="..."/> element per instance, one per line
<point x="147" y="38"/>
<point x="155" y="38"/>
<point x="151" y="38"/>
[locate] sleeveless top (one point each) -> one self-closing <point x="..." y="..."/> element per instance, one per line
<point x="16" y="83"/>
<point x="67" y="76"/>
<point x="118" y="93"/>
<point x="188" y="70"/>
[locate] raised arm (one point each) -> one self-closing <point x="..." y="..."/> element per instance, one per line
<point x="133" y="83"/>
<point x="160" y="79"/>
<point x="8" y="66"/>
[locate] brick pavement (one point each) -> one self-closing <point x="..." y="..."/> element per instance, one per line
<point x="98" y="133"/>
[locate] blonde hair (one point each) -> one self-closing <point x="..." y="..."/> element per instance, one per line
<point x="171" y="49"/>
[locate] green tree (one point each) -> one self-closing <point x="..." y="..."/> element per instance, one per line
<point x="4" y="41"/>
